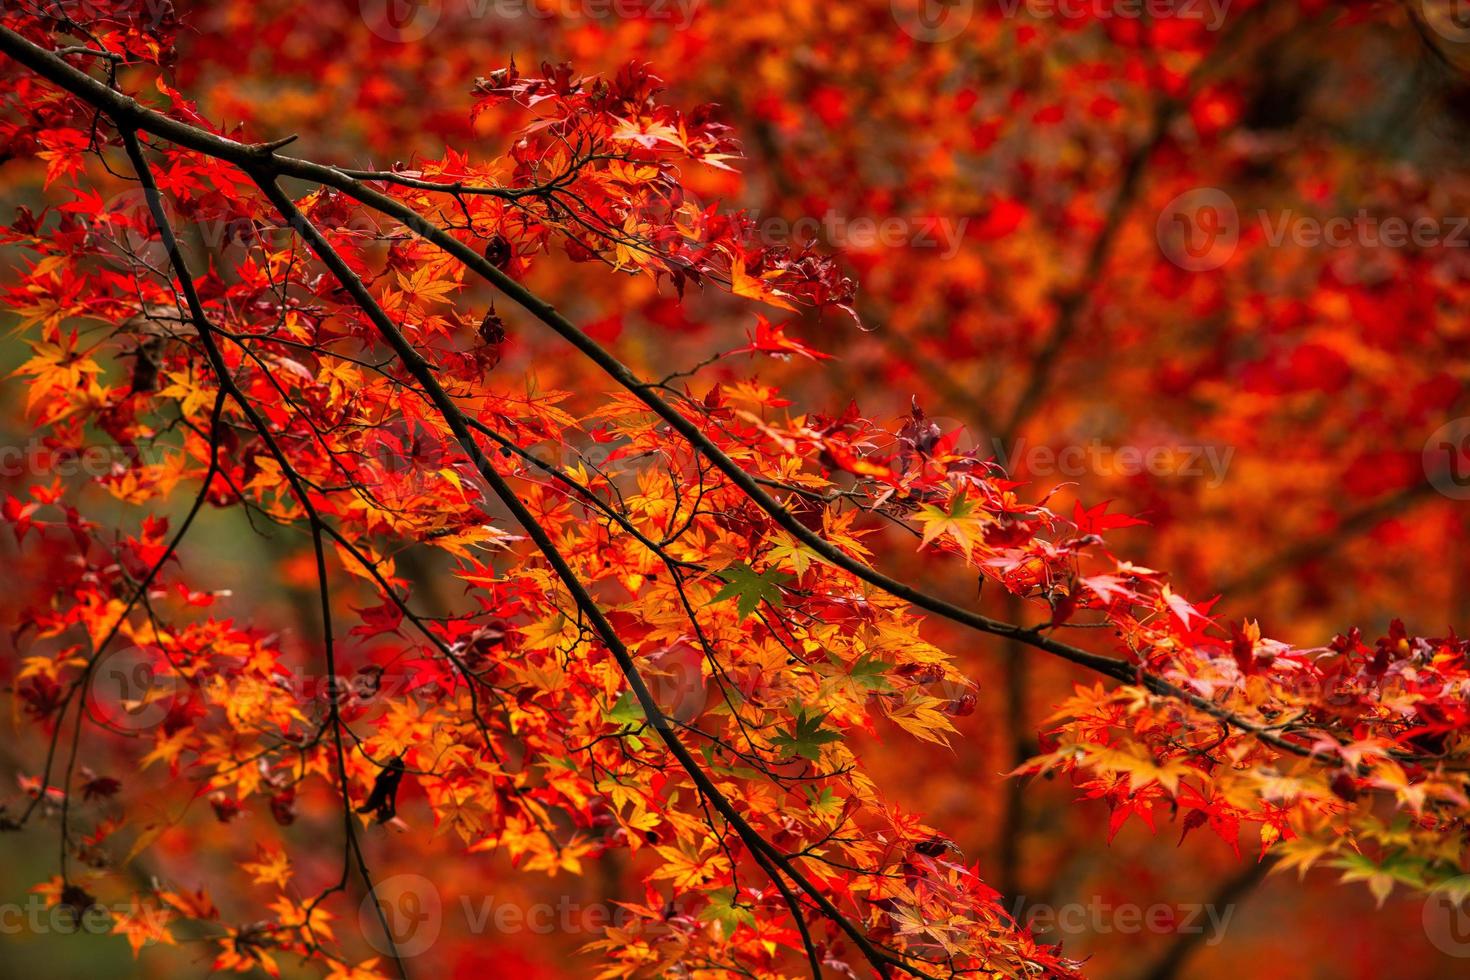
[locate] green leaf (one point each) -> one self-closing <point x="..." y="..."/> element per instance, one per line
<point x="627" y="711"/>
<point x="749" y="588"/>
<point x="869" y="672"/>
<point x="722" y="909"/>
<point x="826" y="803"/>
<point x="808" y="737"/>
<point x="1380" y="878"/>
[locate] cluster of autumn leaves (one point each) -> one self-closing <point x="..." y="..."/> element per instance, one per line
<point x="510" y="719"/>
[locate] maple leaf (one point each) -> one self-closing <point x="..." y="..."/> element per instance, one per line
<point x="626" y="711"/>
<point x="423" y="285"/>
<point x="921" y="716"/>
<point x="686" y="867"/>
<point x="1096" y="520"/>
<point x="144" y="924"/>
<point x="1111" y="588"/>
<point x="724" y="911"/>
<point x="167" y="748"/>
<point x="1380" y="878"/>
<point x="807" y="736"/>
<point x="57" y="367"/>
<point x="270" y="867"/>
<point x="369" y="969"/>
<point x="770" y="338"/>
<point x="64" y="153"/>
<point x="185" y="386"/>
<point x="868" y="672"/>
<point x="312" y="920"/>
<point x="750" y="588"/>
<point x="1189" y="614"/>
<point x="751" y="287"/>
<point x="961" y="521"/>
<point x="797" y="556"/>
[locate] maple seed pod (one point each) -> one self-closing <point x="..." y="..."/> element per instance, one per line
<point x="497" y="252"/>
<point x="492" y="329"/>
<point x="961" y="706"/>
<point x="76" y="901"/>
<point x="283" y="807"/>
<point x="225" y="808"/>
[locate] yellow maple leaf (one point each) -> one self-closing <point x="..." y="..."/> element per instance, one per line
<point x="166" y="749"/>
<point x="192" y="396"/>
<point x="270" y="867"/>
<point x="314" y="923"/>
<point x="689" y="868"/>
<point x="144" y="925"/>
<point x="744" y="284"/>
<point x="57" y="367"/>
<point x="423" y="288"/>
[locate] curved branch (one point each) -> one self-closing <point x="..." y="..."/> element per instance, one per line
<point x="261" y="161"/>
<point x="586" y="605"/>
<point x="228" y="385"/>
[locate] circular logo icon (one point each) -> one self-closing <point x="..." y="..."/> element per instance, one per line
<point x="410" y="907"/>
<point x="132" y="689"/>
<point x="675" y="678"/>
<point x="1450" y="19"/>
<point x="1446" y="917"/>
<point x="1447" y="459"/>
<point x="400" y="21"/>
<point x="933" y="21"/>
<point x="1199" y="230"/>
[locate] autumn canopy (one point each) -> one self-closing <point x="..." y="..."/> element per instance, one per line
<point x="696" y="489"/>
